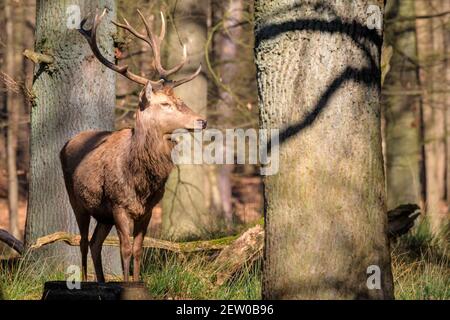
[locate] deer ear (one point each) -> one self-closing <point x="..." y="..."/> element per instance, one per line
<point x="148" y="90"/>
<point x="146" y="96"/>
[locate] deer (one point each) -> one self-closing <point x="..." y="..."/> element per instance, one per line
<point x="117" y="177"/>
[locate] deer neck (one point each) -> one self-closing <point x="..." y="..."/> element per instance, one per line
<point x="149" y="156"/>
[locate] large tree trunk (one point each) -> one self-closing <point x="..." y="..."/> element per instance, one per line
<point x="185" y="210"/>
<point x="430" y="44"/>
<point x="13" y="108"/>
<point x="319" y="82"/>
<point x="402" y="111"/>
<point x="73" y="94"/>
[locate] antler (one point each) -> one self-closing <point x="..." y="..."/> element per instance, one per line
<point x="155" y="43"/>
<point x="91" y="37"/>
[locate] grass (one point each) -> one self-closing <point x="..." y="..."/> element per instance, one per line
<point x="171" y="276"/>
<point x="421" y="265"/>
<point x="23" y="279"/>
<point x="421" y="269"/>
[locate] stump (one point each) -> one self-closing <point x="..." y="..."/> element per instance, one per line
<point x="58" y="290"/>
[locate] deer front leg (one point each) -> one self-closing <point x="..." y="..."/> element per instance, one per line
<point x="140" y="229"/>
<point x="122" y="223"/>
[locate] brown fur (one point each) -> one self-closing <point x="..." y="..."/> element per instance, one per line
<point x="118" y="177"/>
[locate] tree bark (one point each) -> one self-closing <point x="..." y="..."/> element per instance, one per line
<point x="402" y="112"/>
<point x="430" y="45"/>
<point x="73" y="94"/>
<point x="185" y="210"/>
<point x="318" y="73"/>
<point x="13" y="108"/>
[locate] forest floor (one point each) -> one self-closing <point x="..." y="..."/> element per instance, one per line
<point x="421" y="269"/>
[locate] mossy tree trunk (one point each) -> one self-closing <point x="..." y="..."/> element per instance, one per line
<point x="73" y="94"/>
<point x="318" y="72"/>
<point x="402" y="110"/>
<point x="185" y="210"/>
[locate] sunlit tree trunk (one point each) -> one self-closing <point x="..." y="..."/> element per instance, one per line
<point x="73" y="94"/>
<point x="446" y="7"/>
<point x="402" y="112"/>
<point x="430" y="45"/>
<point x="13" y="107"/>
<point x="319" y="83"/>
<point x="185" y="210"/>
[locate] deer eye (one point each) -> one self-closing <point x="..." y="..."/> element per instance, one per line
<point x="166" y="105"/>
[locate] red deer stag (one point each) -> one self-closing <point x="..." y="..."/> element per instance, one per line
<point x="118" y="177"/>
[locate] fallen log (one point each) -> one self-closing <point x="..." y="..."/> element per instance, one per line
<point x="244" y="250"/>
<point x="191" y="246"/>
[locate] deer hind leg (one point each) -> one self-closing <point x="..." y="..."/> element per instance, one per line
<point x="83" y="220"/>
<point x="139" y="231"/>
<point x="100" y="233"/>
<point x="123" y="230"/>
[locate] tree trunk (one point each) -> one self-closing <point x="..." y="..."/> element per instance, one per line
<point x="402" y="112"/>
<point x="13" y="108"/>
<point x="73" y="94"/>
<point x="318" y="73"/>
<point x="185" y="211"/>
<point x="446" y="7"/>
<point x="430" y="44"/>
<point x="227" y="16"/>
<point x="28" y="30"/>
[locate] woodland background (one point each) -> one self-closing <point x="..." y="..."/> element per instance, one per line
<point x="218" y="201"/>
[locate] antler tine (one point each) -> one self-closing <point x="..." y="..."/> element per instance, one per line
<point x="179" y="82"/>
<point x="155" y="43"/>
<point x="130" y="29"/>
<point x="91" y="37"/>
<point x="163" y="27"/>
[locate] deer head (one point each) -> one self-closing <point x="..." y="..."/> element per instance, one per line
<point x="158" y="106"/>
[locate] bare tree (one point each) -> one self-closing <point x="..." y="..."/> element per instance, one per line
<point x="319" y="82"/>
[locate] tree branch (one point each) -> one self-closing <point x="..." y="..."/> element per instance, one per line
<point x="11" y="241"/>
<point x="38" y="57"/>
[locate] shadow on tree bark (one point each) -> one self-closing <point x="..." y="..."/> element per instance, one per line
<point x="370" y="75"/>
